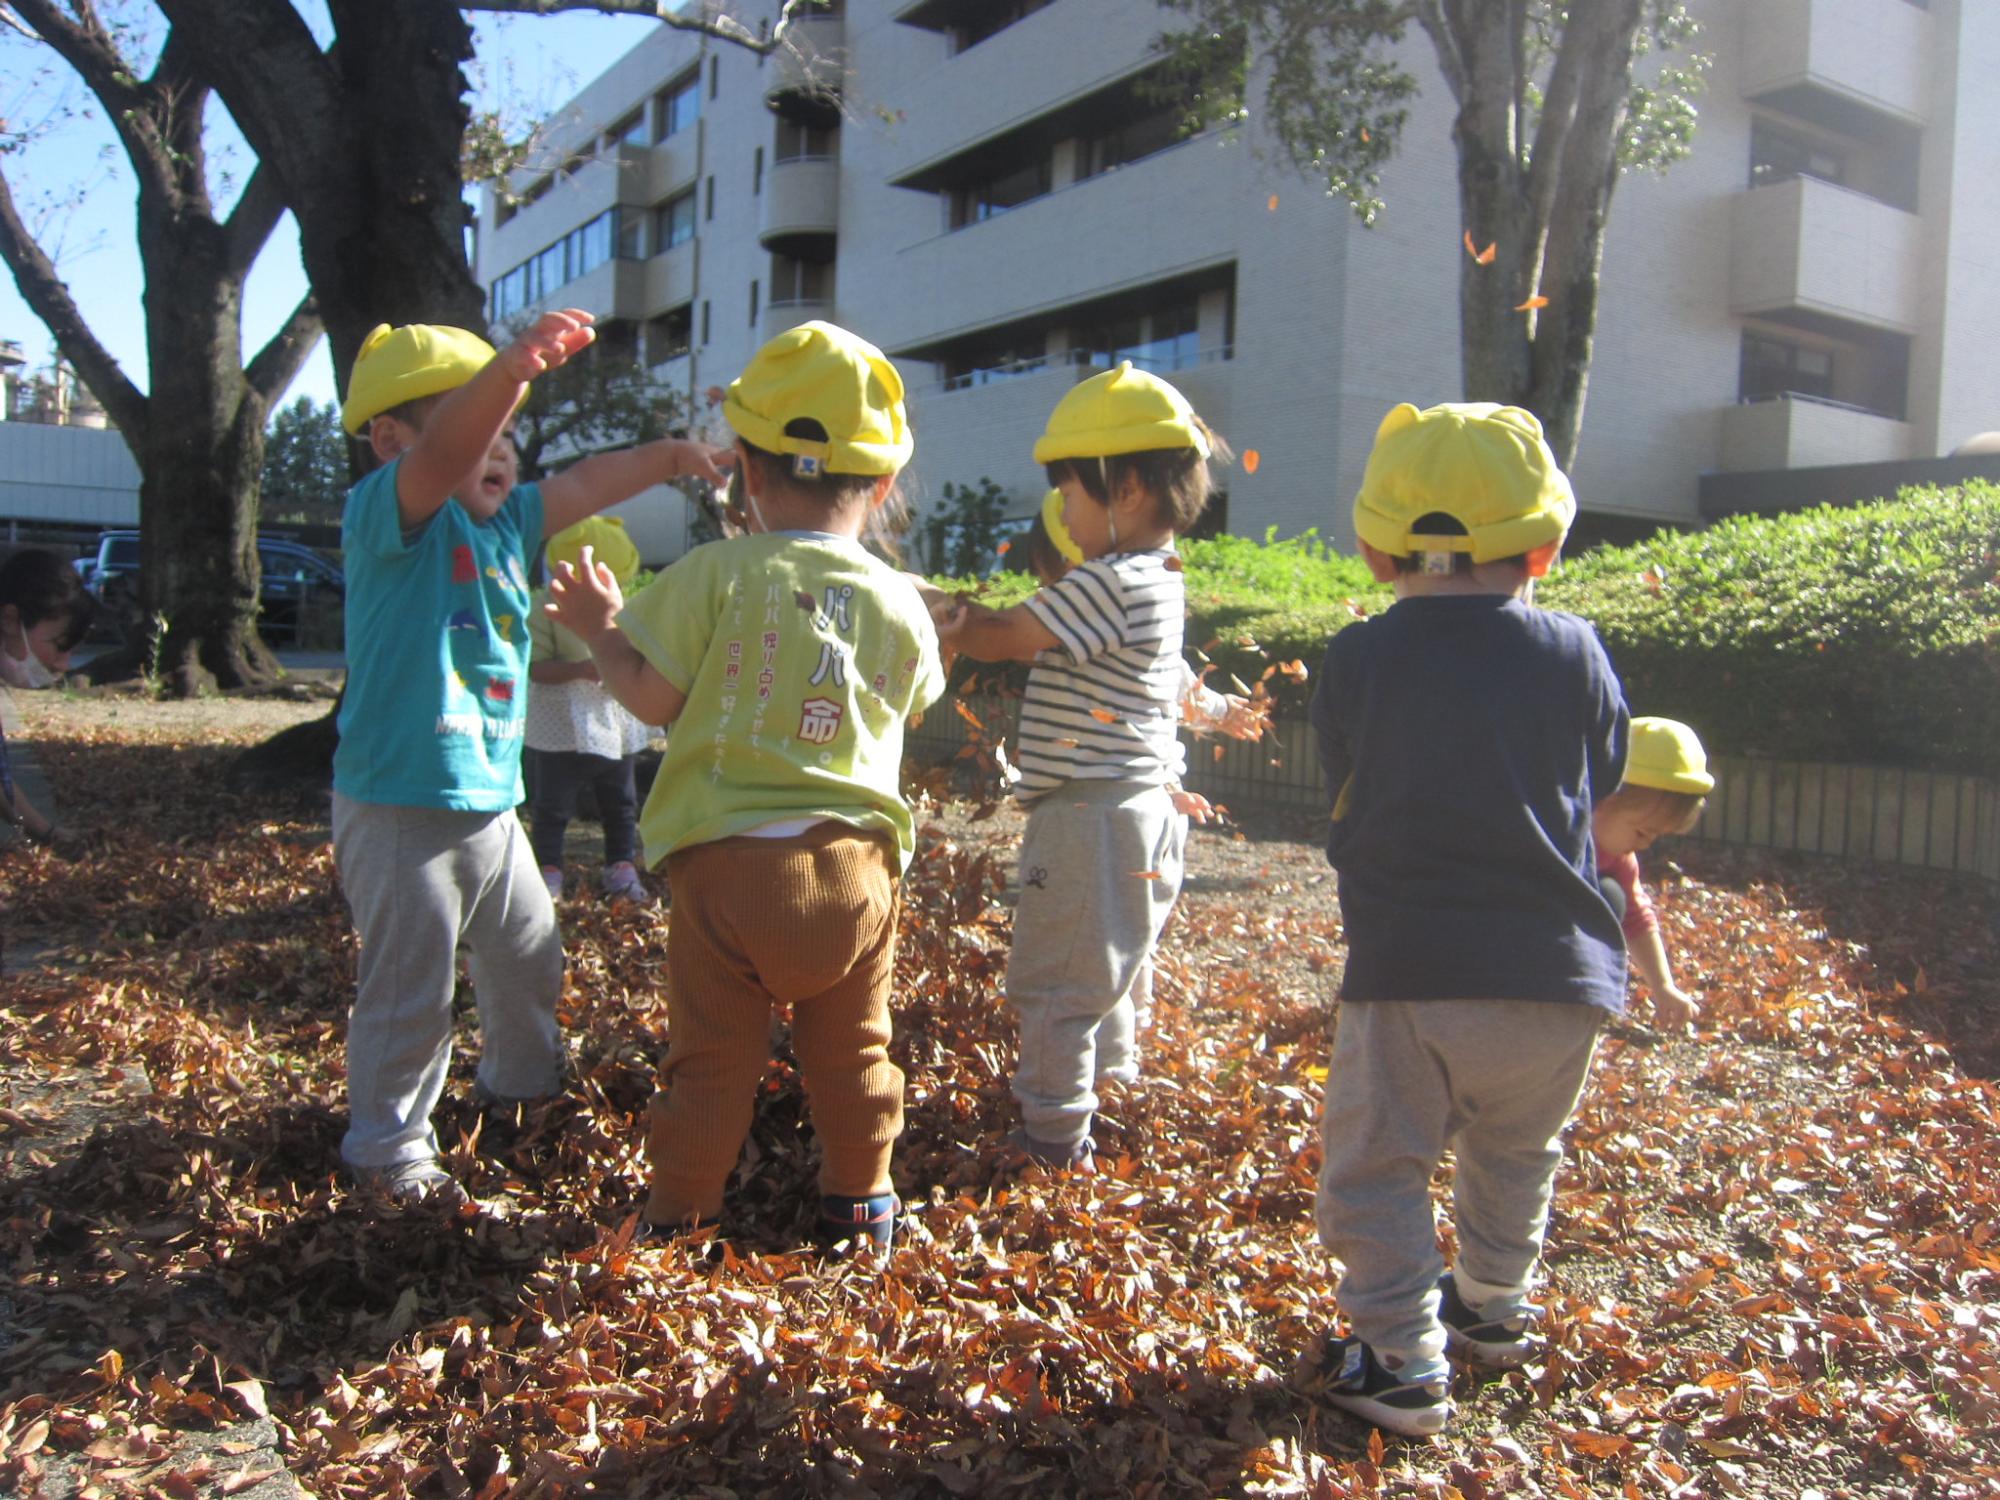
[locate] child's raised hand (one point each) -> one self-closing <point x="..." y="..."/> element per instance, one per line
<point x="1244" y="718"/>
<point x="692" y="460"/>
<point x="585" y="600"/>
<point x="548" y="342"/>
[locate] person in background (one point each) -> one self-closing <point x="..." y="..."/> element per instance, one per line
<point x="579" y="735"/>
<point x="45" y="613"/>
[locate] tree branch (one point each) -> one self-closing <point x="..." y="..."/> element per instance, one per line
<point x="44" y="292"/>
<point x="1444" y="41"/>
<point x="82" y="42"/>
<point x="708" y="22"/>
<point x="250" y="223"/>
<point x="278" y="363"/>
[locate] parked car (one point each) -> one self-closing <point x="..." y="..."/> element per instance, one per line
<point x="294" y="577"/>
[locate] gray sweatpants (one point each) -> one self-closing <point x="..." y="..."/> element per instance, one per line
<point x="1496" y="1080"/>
<point x="1100" y="867"/>
<point x="419" y="882"/>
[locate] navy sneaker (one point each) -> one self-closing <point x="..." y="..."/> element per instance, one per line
<point x="850" y="1221"/>
<point x="1499" y="1342"/>
<point x="1356" y="1381"/>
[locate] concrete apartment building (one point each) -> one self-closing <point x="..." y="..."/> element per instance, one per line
<point x="992" y="201"/>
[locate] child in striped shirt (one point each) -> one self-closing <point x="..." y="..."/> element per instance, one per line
<point x="1100" y="862"/>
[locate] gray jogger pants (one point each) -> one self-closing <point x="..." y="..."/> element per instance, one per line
<point x="1495" y="1080"/>
<point x="1100" y="867"/>
<point x="420" y="881"/>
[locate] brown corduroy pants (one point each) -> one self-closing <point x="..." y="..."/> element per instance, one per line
<point x="809" y="921"/>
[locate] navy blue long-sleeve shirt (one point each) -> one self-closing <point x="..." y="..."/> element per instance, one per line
<point x="1477" y="732"/>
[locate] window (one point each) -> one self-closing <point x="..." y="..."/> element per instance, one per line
<point x="550" y="271"/>
<point x="992" y="364"/>
<point x="797" y="142"/>
<point x="708" y="198"/>
<point x="992" y="17"/>
<point x="1779" y="153"/>
<point x="630" y="131"/>
<point x="753" y="304"/>
<point x="677" y="107"/>
<point x="799" y="280"/>
<point x="1128" y="142"/>
<point x="1166" y="339"/>
<point x="631" y="233"/>
<point x="673" y="223"/>
<point x="667" y="335"/>
<point x="591" y="245"/>
<point x="1772" y="368"/>
<point x="577" y="253"/>
<point x="757" y="173"/>
<point x="980" y="201"/>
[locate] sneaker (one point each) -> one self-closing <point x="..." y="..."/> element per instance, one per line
<point x="1500" y="1342"/>
<point x="849" y="1221"/>
<point x="1356" y="1381"/>
<point x="1021" y="1149"/>
<point x="694" y="1233"/>
<point x="621" y="882"/>
<point x="552" y="877"/>
<point x="408" y="1183"/>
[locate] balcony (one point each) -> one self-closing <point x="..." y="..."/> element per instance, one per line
<point x="777" y="317"/>
<point x="1807" y="246"/>
<point x="1826" y="60"/>
<point x="652" y="174"/>
<point x="668" y="281"/>
<point x="1803" y="432"/>
<point x="572" y="199"/>
<point x="801" y="201"/>
<point x="809" y="71"/>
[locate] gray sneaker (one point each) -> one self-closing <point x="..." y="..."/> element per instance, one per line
<point x="408" y="1183"/>
<point x="1021" y="1149"/>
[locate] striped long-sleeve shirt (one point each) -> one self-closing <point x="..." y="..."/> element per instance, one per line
<point x="1104" y="706"/>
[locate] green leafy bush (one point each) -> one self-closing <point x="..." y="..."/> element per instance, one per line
<point x="1865" y="633"/>
<point x="1868" y="633"/>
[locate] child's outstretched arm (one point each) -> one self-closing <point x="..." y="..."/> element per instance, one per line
<point x="1672" y="1006"/>
<point x="586" y="601"/>
<point x="987" y="634"/>
<point x="460" y="433"/>
<point x="587" y="486"/>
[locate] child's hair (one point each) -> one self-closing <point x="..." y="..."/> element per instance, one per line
<point x="1680" y="810"/>
<point x="1039" y="554"/>
<point x="1176" y="478"/>
<point x="41" y="586"/>
<point x="1127" y="425"/>
<point x="775" y="471"/>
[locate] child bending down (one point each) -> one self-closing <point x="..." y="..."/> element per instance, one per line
<point x="1666" y="784"/>
<point x="788" y="660"/>
<point x="44" y="613"/>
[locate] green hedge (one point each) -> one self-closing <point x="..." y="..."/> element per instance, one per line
<point x="1865" y="633"/>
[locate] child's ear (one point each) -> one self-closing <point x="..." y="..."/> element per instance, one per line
<point x="1543" y="558"/>
<point x="388" y="438"/>
<point x="880" y="493"/>
<point x="1381" y="564"/>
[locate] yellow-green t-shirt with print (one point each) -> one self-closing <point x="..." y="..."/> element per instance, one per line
<point x="801" y="655"/>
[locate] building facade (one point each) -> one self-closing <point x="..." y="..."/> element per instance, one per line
<point x="985" y="189"/>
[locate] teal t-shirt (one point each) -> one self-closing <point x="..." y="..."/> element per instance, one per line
<point x="801" y="656"/>
<point x="437" y="651"/>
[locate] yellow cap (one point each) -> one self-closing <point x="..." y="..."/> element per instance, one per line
<point x="1485" y="466"/>
<point x="605" y="536"/>
<point x="406" y="364"/>
<point x="1059" y="537"/>
<point x="842" y="382"/>
<point x="1667" y="757"/>
<point x="1121" y="411"/>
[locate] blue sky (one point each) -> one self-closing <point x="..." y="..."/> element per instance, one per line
<point x="529" y="64"/>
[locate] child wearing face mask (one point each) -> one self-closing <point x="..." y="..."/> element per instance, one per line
<point x="44" y="613"/>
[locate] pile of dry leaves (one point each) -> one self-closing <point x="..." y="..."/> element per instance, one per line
<point x="1774" y="1264"/>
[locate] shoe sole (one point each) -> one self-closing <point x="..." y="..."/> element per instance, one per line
<point x="1493" y="1356"/>
<point x="1404" y="1421"/>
